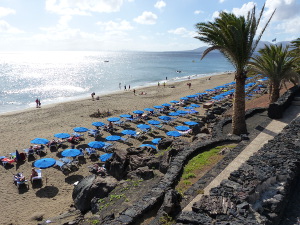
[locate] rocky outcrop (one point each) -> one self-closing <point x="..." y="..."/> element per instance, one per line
<point x="141" y="173"/>
<point x="92" y="187"/>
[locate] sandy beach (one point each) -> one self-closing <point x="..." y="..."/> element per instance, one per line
<point x="55" y="195"/>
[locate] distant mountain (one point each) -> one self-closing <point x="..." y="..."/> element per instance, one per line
<point x="260" y="45"/>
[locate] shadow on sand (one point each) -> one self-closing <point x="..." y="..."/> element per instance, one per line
<point x="47" y="192"/>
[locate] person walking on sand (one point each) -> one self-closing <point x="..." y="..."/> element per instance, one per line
<point x="134" y="91"/>
<point x="40" y="103"/>
<point x="37" y="102"/>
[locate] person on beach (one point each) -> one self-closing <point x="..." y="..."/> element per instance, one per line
<point x="33" y="174"/>
<point x="37" y="102"/>
<point x="124" y="87"/>
<point x="134" y="91"/>
<point x="129" y="87"/>
<point x="93" y="95"/>
<point x="189" y="84"/>
<point x="120" y="86"/>
<point x="166" y="78"/>
<point x="164" y="84"/>
<point x="158" y="84"/>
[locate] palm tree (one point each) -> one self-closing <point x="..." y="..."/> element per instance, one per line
<point x="275" y="62"/>
<point x="234" y="37"/>
<point x="296" y="52"/>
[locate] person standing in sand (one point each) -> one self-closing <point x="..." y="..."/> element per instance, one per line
<point x="124" y="87"/>
<point x="37" y="102"/>
<point x="129" y="87"/>
<point x="134" y="91"/>
<point x="93" y="95"/>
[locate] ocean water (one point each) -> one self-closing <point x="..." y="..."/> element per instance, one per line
<point x="62" y="76"/>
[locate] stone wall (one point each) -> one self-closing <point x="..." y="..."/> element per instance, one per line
<point x="257" y="192"/>
<point x="276" y="109"/>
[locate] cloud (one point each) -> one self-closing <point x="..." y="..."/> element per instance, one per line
<point x="160" y="4"/>
<point x="285" y="9"/>
<point x="82" y="7"/>
<point x="198" y="12"/>
<point x="291" y="26"/>
<point x="7" y="28"/>
<point x="183" y="32"/>
<point x="111" y="25"/>
<point x="6" y="11"/>
<point x="221" y="1"/>
<point x="146" y="18"/>
<point x="243" y="11"/>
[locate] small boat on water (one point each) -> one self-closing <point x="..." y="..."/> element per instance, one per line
<point x="106" y="61"/>
<point x="178" y="71"/>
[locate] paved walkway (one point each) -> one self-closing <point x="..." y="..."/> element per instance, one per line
<point x="267" y="134"/>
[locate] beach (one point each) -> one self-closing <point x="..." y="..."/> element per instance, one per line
<point x="18" y="128"/>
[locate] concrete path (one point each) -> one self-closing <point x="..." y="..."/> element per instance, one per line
<point x="267" y="134"/>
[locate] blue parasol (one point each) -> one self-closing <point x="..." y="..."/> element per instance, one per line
<point x="125" y="116"/>
<point x="149" y="109"/>
<point x="190" y="123"/>
<point x="105" y="156"/>
<point x="98" y="124"/>
<point x="158" y="107"/>
<point x="166" y="104"/>
<point x="44" y="163"/>
<point x="167" y="118"/>
<point x="153" y="122"/>
<point x="184" y="98"/>
<point x="40" y="141"/>
<point x="80" y="129"/>
<point x="138" y="111"/>
<point x="113" y="138"/>
<point x="174" y="114"/>
<point x="156" y="140"/>
<point x="143" y="126"/>
<point x="173" y="133"/>
<point x="113" y="119"/>
<point x="189" y="107"/>
<point x="148" y="145"/>
<point x="191" y="96"/>
<point x="62" y="135"/>
<point x="128" y="132"/>
<point x="70" y="152"/>
<point x="174" y="101"/>
<point x="182" y="128"/>
<point x="195" y="105"/>
<point x="182" y="111"/>
<point x="96" y="144"/>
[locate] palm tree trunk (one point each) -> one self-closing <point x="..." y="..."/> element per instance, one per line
<point x="238" y="120"/>
<point x="275" y="93"/>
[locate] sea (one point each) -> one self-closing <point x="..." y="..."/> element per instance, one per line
<point x="55" y="77"/>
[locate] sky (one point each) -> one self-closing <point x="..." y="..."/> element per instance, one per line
<point x="134" y="25"/>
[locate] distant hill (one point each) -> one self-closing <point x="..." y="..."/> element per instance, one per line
<point x="260" y="45"/>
